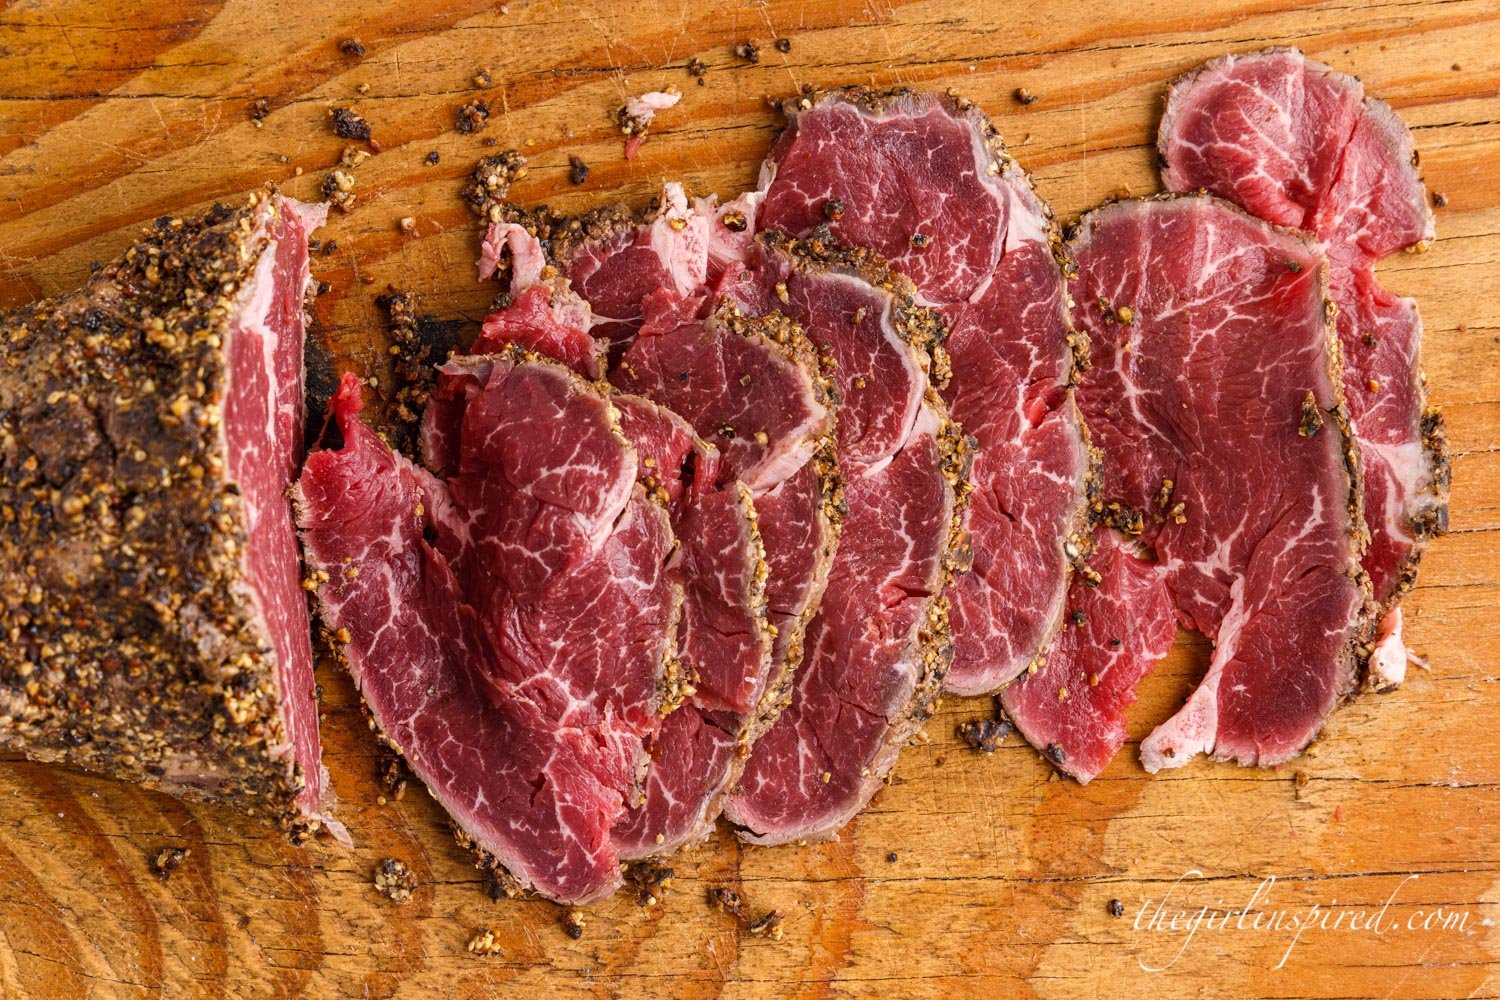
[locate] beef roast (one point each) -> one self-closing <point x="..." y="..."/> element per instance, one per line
<point x="1120" y="622"/>
<point x="510" y="619"/>
<point x="878" y="648"/>
<point x="1213" y="393"/>
<point x="1298" y="144"/>
<point x="149" y="427"/>
<point x="924" y="180"/>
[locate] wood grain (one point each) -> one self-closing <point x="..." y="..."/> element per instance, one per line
<point x="969" y="876"/>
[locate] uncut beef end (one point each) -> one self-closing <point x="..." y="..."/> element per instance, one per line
<point x="1292" y="141"/>
<point x="878" y="648"/>
<point x="150" y="424"/>
<point x="1213" y="393"/>
<point x="509" y="621"/>
<point x="924" y="180"/>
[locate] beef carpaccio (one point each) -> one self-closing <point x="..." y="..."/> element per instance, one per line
<point x="150" y="425"/>
<point x="508" y="617"/>
<point x="878" y="649"/>
<point x="1298" y="144"/>
<point x="924" y="180"/>
<point x="1213" y="394"/>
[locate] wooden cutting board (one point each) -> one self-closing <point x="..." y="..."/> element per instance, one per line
<point x="970" y="875"/>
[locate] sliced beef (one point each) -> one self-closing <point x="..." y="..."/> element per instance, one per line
<point x="755" y="388"/>
<point x="924" y="180"/>
<point x="1120" y="622"/>
<point x="150" y="424"/>
<point x="510" y="620"/>
<point x="752" y="386"/>
<point x="878" y="648"/>
<point x="1213" y="395"/>
<point x="1298" y="144"/>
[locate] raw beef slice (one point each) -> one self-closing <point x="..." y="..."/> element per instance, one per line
<point x="509" y="619"/>
<point x="1298" y="144"/>
<point x="1120" y="623"/>
<point x="1213" y="395"/>
<point x="924" y="180"/>
<point x="754" y="386"/>
<point x="149" y="427"/>
<point x="878" y="648"/>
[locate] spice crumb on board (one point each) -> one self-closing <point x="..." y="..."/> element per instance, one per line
<point x="484" y="943"/>
<point x="766" y="925"/>
<point x="472" y="117"/>
<point x="260" y="108"/>
<point x="783" y="45"/>
<point x="1024" y="97"/>
<point x="748" y="51"/>
<point x="432" y="159"/>
<point x="482" y="79"/>
<point x="572" y="922"/>
<point x="350" y="124"/>
<point x="1116" y="908"/>
<point x="352" y="47"/>
<point x="338" y="190"/>
<point x="652" y="879"/>
<point x="168" y="860"/>
<point x="727" y="900"/>
<point x="395" y="881"/>
<point x="578" y="171"/>
<point x="697" y="69"/>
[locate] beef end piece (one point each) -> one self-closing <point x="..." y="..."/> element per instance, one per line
<point x="1296" y="143"/>
<point x="150" y="425"/>
<point x="924" y="180"/>
<point x="1236" y="452"/>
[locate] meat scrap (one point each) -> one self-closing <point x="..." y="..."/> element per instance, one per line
<point x="1205" y="388"/>
<point x="150" y="589"/>
<point x="1298" y="144"/>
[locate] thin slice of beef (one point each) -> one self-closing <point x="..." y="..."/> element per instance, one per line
<point x="725" y="640"/>
<point x="924" y="180"/>
<point x="150" y="424"/>
<point x="878" y="648"/>
<point x="756" y="388"/>
<point x="510" y="625"/>
<point x="1298" y="144"/>
<point x="1213" y="393"/>
<point x="1120" y="623"/>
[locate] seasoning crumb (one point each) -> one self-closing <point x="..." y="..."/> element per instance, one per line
<point x="338" y="189"/>
<point x="1125" y="315"/>
<point x="697" y="69"/>
<point x="1056" y="754"/>
<point x="395" y="881"/>
<point x="260" y="110"/>
<point x="783" y="45"/>
<point x="1439" y="200"/>
<point x="986" y="735"/>
<point x="920" y="240"/>
<point x="361" y="88"/>
<point x="768" y="925"/>
<point x="168" y="860"/>
<point x="353" y="156"/>
<point x="472" y="117"/>
<point x="350" y="124"/>
<point x="352" y="47"/>
<point x="728" y="901"/>
<point x="735" y="222"/>
<point x="482" y="79"/>
<point x="484" y="943"/>
<point x="1294" y="267"/>
<point x="652" y="879"/>
<point x="1025" y="97"/>
<point x="407" y="225"/>
<point x="490" y="181"/>
<point x="572" y="923"/>
<point x="892" y="858"/>
<point x="833" y="209"/>
<point x="432" y="159"/>
<point x="578" y="171"/>
<point x="748" y="52"/>
<point x="1116" y="908"/>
